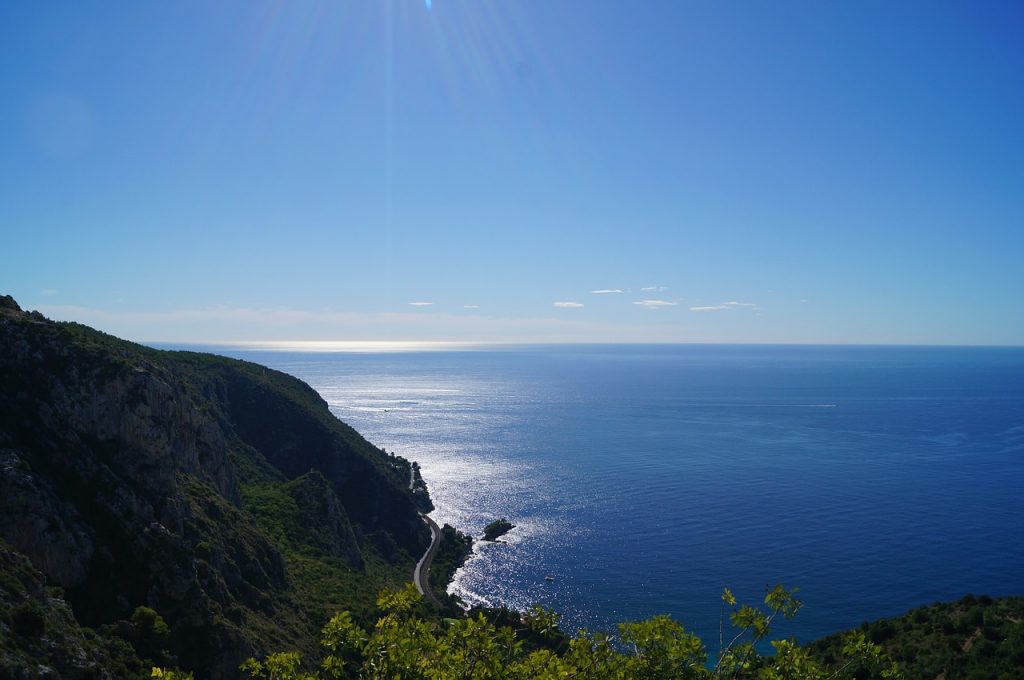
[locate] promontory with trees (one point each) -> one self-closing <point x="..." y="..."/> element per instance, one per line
<point x="497" y="529"/>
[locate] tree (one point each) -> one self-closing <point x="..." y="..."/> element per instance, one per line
<point x="402" y="646"/>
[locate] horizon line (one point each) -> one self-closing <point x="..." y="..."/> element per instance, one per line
<point x="397" y="346"/>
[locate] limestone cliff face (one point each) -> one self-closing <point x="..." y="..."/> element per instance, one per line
<point x="121" y="471"/>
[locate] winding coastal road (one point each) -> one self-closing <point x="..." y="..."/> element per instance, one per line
<point x="421" y="574"/>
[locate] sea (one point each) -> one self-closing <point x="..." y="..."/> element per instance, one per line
<point x="642" y="479"/>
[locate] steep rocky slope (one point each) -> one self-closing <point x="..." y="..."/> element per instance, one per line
<point x="210" y="490"/>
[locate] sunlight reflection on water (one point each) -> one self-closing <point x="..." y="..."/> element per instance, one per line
<point x="463" y="445"/>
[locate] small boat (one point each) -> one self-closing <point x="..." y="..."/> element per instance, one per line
<point x="549" y="578"/>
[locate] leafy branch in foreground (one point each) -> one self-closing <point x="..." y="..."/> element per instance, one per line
<point x="404" y="646"/>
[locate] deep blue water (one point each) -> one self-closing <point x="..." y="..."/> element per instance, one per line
<point x="646" y="478"/>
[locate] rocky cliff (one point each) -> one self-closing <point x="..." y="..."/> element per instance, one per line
<point x="205" y="489"/>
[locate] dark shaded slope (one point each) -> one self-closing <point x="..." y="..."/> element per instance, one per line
<point x="300" y="434"/>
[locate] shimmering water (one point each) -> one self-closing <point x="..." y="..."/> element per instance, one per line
<point x="643" y="479"/>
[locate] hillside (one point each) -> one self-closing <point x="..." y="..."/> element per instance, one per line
<point x="977" y="638"/>
<point x="219" y="494"/>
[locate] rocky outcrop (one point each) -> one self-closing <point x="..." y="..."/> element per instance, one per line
<point x="121" y="478"/>
<point x="48" y="529"/>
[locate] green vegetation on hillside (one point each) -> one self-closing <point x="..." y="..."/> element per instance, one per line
<point x="977" y="638"/>
<point x="321" y="580"/>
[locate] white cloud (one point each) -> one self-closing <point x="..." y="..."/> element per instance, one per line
<point x="655" y="304"/>
<point x="732" y="304"/>
<point x="420" y="304"/>
<point x="471" y="306"/>
<point x="568" y="304"/>
<point x="605" y="291"/>
<point x="656" y="289"/>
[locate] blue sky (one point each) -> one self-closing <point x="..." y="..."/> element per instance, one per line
<point x="735" y="172"/>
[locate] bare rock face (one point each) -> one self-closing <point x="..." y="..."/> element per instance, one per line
<point x="119" y="481"/>
<point x="150" y="426"/>
<point x="48" y="530"/>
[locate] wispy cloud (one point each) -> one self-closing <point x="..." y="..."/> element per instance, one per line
<point x="655" y="304"/>
<point x="471" y="306"/>
<point x="654" y="289"/>
<point x="568" y="304"/>
<point x="420" y="304"/>
<point x="724" y="306"/>
<point x="605" y="291"/>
